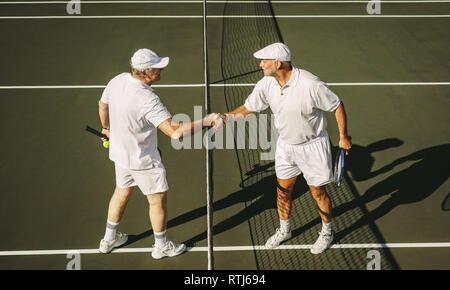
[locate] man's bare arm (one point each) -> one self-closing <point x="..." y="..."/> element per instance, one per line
<point x="103" y="112"/>
<point x="341" y="119"/>
<point x="179" y="130"/>
<point x="239" y="113"/>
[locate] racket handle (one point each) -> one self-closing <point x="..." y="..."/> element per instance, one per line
<point x="95" y="132"/>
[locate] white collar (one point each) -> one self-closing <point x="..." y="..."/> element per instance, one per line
<point x="135" y="80"/>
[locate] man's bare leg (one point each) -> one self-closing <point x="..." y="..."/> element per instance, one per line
<point x="323" y="202"/>
<point x="158" y="218"/>
<point x="325" y="209"/>
<point x="284" y="203"/>
<point x="117" y="205"/>
<point x="284" y="197"/>
<point x="158" y="211"/>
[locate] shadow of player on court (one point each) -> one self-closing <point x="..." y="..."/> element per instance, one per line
<point x="360" y="161"/>
<point x="446" y="203"/>
<point x="430" y="170"/>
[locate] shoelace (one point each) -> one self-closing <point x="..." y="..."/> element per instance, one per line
<point x="325" y="234"/>
<point x="170" y="245"/>
<point x="322" y="238"/>
<point x="279" y="232"/>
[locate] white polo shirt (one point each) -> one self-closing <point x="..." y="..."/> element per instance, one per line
<point x="297" y="106"/>
<point x="135" y="112"/>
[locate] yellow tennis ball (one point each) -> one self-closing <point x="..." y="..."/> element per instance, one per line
<point x="106" y="144"/>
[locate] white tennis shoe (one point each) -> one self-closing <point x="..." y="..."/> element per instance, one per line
<point x="322" y="243"/>
<point x="279" y="237"/>
<point x="106" y="246"/>
<point x="170" y="249"/>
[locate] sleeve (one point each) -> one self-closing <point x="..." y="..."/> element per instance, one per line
<point x="155" y="112"/>
<point x="105" y="95"/>
<point x="257" y="101"/>
<point x="325" y="99"/>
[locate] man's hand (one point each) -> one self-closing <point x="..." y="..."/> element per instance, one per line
<point x="179" y="130"/>
<point x="345" y="143"/>
<point x="215" y="120"/>
<point x="105" y="132"/>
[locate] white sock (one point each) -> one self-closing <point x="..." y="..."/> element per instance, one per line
<point x="285" y="225"/>
<point x="326" y="228"/>
<point x="160" y="239"/>
<point x="111" y="229"/>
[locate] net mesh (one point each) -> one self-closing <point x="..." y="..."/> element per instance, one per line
<point x="241" y="38"/>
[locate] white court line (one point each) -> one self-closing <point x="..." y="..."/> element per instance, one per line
<point x="392" y="84"/>
<point x="103" y="17"/>
<point x="226" y="85"/>
<point x="222" y="2"/>
<point x="95" y="86"/>
<point x="230" y="249"/>
<point x="354" y="84"/>
<point x="217" y="16"/>
<point x="107" y="2"/>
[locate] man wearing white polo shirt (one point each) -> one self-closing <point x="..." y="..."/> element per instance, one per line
<point x="297" y="99"/>
<point x="130" y="113"/>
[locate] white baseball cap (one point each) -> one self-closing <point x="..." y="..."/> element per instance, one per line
<point x="145" y="58"/>
<point x="277" y="51"/>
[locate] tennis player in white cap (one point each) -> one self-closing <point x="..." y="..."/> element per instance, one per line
<point x="130" y="113"/>
<point x="297" y="99"/>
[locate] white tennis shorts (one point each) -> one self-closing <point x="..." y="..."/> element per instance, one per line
<point x="149" y="181"/>
<point x="312" y="158"/>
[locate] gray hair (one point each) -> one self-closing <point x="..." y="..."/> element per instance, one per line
<point x="137" y="72"/>
<point x="140" y="72"/>
<point x="285" y="64"/>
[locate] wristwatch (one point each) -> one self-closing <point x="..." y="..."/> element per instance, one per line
<point x="105" y="128"/>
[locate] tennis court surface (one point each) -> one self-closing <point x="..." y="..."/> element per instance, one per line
<point x="391" y="70"/>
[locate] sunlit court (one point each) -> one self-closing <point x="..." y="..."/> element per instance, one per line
<point x="387" y="61"/>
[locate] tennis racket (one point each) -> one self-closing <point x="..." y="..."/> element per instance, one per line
<point x="339" y="166"/>
<point x="99" y="134"/>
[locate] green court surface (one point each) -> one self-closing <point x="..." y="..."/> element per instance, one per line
<point x="392" y="73"/>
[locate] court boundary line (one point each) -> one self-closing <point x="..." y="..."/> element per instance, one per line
<point x="218" y="16"/>
<point x="225" y="85"/>
<point x="227" y="249"/>
<point x="223" y="2"/>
